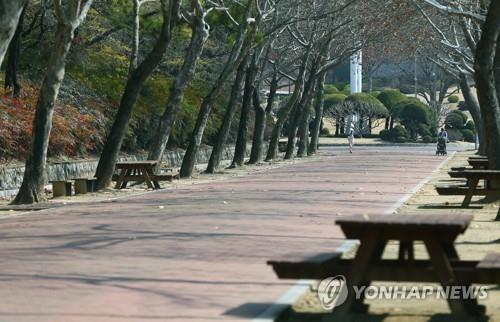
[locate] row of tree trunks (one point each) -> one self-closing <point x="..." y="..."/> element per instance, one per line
<point x="240" y="147"/>
<point x="10" y="12"/>
<point x="285" y="111"/>
<point x="318" y="111"/>
<point x="238" y="53"/>
<point x="199" y="36"/>
<point x="225" y="128"/>
<point x="69" y="17"/>
<point x="135" y="81"/>
<point x="261" y="116"/>
<point x="485" y="80"/>
<point x="302" y="115"/>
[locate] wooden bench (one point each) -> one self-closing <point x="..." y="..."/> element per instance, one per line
<point x="479" y="163"/>
<point x="374" y="231"/>
<point x="62" y="188"/>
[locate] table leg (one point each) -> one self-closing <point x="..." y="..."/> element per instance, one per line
<point x="370" y="250"/>
<point x="145" y="174"/>
<point x="120" y="178"/>
<point x="406" y="251"/>
<point x="446" y="276"/>
<point x="470" y="193"/>
<point x="125" y="182"/>
<point x="153" y="178"/>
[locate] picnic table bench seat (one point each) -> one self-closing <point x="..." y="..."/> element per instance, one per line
<point x="169" y="176"/>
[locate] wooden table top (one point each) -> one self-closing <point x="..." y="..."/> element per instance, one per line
<point x="137" y="163"/>
<point x="478" y="162"/>
<point x="402" y="226"/>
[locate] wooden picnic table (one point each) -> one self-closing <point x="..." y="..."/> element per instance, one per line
<point x="438" y="233"/>
<point x="138" y="171"/>
<point x="473" y="177"/>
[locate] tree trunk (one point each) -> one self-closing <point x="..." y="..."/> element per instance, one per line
<point x="240" y="148"/>
<point x="387" y="122"/>
<point x="318" y="110"/>
<point x="34" y="178"/>
<point x="261" y="116"/>
<point x="304" y="131"/>
<point x="135" y="81"/>
<point x="292" y="132"/>
<point x="485" y="81"/>
<point x="272" y="151"/>
<point x="238" y="52"/>
<point x="199" y="36"/>
<point x="10" y="11"/>
<point x="223" y="134"/>
<point x="474" y="109"/>
<point x="301" y="111"/>
<point x="14" y="52"/>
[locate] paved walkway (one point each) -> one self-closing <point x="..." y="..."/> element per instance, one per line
<point x="195" y="253"/>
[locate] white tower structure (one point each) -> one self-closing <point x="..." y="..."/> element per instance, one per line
<point x="356" y="84"/>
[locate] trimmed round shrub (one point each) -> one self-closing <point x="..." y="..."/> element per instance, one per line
<point x="462" y="106"/>
<point x="424" y="130"/>
<point x="375" y="94"/>
<point x="366" y="104"/>
<point x="412" y="114"/>
<point x="332" y="100"/>
<point x="325" y="132"/>
<point x="390" y="98"/>
<point x="385" y="135"/>
<point x="427" y="139"/>
<point x="401" y="139"/>
<point x="456" y="119"/>
<point x="470" y="126"/>
<point x="400" y="132"/>
<point x="468" y="135"/>
<point x="331" y="89"/>
<point x="453" y="99"/>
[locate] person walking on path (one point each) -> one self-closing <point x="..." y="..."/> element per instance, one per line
<point x="350" y="139"/>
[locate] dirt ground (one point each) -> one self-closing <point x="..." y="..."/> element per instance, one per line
<point x="482" y="237"/>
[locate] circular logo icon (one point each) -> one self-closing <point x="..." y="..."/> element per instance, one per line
<point x="332" y="292"/>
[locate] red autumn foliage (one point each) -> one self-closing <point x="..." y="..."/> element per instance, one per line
<point x="73" y="132"/>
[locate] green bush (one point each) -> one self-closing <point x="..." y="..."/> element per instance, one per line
<point x="412" y="114"/>
<point x="453" y="99"/>
<point x="456" y="119"/>
<point x="400" y="134"/>
<point x="332" y="100"/>
<point x="390" y="98"/>
<point x="470" y="126"/>
<point x="427" y="139"/>
<point x="385" y="135"/>
<point x="424" y="130"/>
<point x="468" y="135"/>
<point x="367" y="105"/>
<point x="324" y="132"/>
<point x="331" y="89"/>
